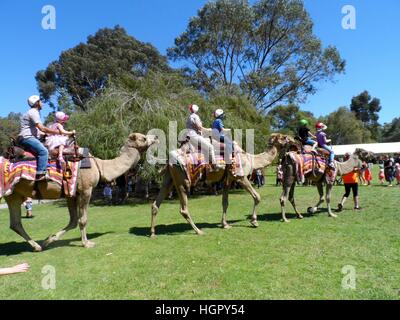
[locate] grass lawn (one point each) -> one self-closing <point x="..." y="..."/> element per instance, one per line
<point x="299" y="260"/>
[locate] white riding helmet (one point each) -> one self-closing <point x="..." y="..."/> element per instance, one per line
<point x="33" y="100"/>
<point x="194" y="108"/>
<point x="218" y="113"/>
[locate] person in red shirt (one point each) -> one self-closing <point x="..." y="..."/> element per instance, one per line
<point x="351" y="181"/>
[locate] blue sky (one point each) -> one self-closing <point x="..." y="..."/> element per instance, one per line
<point x="371" y="51"/>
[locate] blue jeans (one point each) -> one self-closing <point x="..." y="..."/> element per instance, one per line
<point x="310" y="142"/>
<point x="35" y="146"/>
<point x="332" y="154"/>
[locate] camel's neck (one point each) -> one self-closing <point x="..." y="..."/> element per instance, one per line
<point x="348" y="166"/>
<point x="112" y="169"/>
<point x="264" y="159"/>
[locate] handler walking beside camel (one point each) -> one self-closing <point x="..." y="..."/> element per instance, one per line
<point x="351" y="181"/>
<point x="28" y="138"/>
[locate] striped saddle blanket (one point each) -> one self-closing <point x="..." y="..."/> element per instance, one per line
<point x="307" y="163"/>
<point x="12" y="173"/>
<point x="195" y="166"/>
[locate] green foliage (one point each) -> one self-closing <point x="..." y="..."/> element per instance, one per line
<point x="9" y="127"/>
<point x="367" y="110"/>
<point x="132" y="105"/>
<point x="268" y="48"/>
<point x="391" y="131"/>
<point x="84" y="71"/>
<point x="345" y="128"/>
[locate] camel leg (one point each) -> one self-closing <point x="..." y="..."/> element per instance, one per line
<point x="328" y="200"/>
<point x="225" y="204"/>
<point x="73" y="223"/>
<point x="256" y="197"/>
<point x="83" y="200"/>
<point x="292" y="201"/>
<point x="284" y="197"/>
<point x="14" y="203"/>
<point x="164" y="192"/>
<point x="320" y="188"/>
<point x="184" y="208"/>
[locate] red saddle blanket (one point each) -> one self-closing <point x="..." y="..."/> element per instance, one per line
<point x="12" y="173"/>
<point x="194" y="165"/>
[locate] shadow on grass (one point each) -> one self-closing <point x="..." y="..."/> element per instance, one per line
<point x="15" y="248"/>
<point x="278" y="216"/>
<point x="176" y="228"/>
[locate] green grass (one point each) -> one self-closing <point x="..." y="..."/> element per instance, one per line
<point x="299" y="260"/>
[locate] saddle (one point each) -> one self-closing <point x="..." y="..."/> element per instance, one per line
<point x="16" y="154"/>
<point x="187" y="148"/>
<point x="319" y="151"/>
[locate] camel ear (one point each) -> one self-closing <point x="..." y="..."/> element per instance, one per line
<point x="133" y="137"/>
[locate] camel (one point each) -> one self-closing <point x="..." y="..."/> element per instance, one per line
<point x="175" y="176"/>
<point x="106" y="170"/>
<point x="290" y="179"/>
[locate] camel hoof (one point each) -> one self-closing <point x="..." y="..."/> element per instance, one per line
<point x="153" y="236"/>
<point x="285" y="220"/>
<point x="37" y="249"/>
<point x="48" y="242"/>
<point x="254" y="223"/>
<point x="200" y="233"/>
<point x="300" y="217"/>
<point x="226" y="226"/>
<point x="311" y="210"/>
<point x="332" y="215"/>
<point x="89" y="244"/>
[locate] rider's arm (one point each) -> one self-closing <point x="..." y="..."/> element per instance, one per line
<point x="44" y="129"/>
<point x="65" y="132"/>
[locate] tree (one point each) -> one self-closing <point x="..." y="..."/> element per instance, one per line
<point x="285" y="119"/>
<point x="9" y="127"/>
<point x="367" y="110"/>
<point x="133" y="105"/>
<point x="391" y="131"/>
<point x="345" y="128"/>
<point x="268" y="49"/>
<point x="83" y="71"/>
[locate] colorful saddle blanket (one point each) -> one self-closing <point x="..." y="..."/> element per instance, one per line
<point x="12" y="173"/>
<point x="195" y="166"/>
<point x="307" y="163"/>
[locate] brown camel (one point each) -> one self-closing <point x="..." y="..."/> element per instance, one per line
<point x="175" y="176"/>
<point x="106" y="170"/>
<point x="290" y="177"/>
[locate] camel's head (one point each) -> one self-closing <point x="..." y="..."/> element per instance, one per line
<point x="364" y="154"/>
<point x="280" y="141"/>
<point x="141" y="142"/>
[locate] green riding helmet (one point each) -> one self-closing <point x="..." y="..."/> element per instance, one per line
<point x="304" y="122"/>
